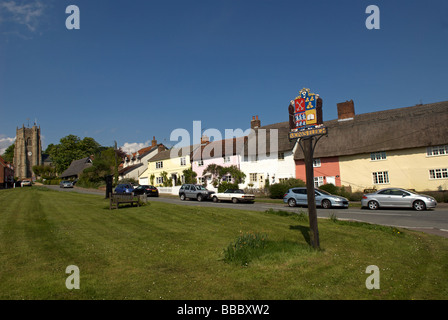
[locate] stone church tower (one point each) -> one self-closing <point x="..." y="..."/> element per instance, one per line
<point x="27" y="151"/>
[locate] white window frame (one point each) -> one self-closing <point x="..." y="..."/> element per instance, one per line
<point x="200" y="163"/>
<point x="281" y="156"/>
<point x="253" y="177"/>
<point x="159" y="164"/>
<point x="318" y="181"/>
<point x="226" y="159"/>
<point x="380" y="177"/>
<point x="159" y="180"/>
<point x="438" y="174"/>
<point x="316" y="163"/>
<point x="183" y="161"/>
<point x="436" y="151"/>
<point x="378" y="156"/>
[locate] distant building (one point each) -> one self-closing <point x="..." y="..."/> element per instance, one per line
<point x="76" y="168"/>
<point x="6" y="174"/>
<point x="27" y="151"/>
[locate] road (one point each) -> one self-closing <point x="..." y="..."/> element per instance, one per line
<point x="431" y="221"/>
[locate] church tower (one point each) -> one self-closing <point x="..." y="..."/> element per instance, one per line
<point x="27" y="151"/>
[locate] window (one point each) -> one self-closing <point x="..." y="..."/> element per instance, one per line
<point x="183" y="161"/>
<point x="200" y="163"/>
<point x="318" y="181"/>
<point x="299" y="191"/>
<point x="159" y="164"/>
<point x="226" y="159"/>
<point x="375" y="156"/>
<point x="438" y="173"/>
<point x="381" y="177"/>
<point x="281" y="156"/>
<point x="316" y="163"/>
<point x="201" y="180"/>
<point x="227" y="178"/>
<point x="437" y="151"/>
<point x="252" y="177"/>
<point x="159" y="180"/>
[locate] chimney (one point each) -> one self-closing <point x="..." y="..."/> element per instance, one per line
<point x="205" y="140"/>
<point x="153" y="142"/>
<point x="346" y="110"/>
<point x="255" y="123"/>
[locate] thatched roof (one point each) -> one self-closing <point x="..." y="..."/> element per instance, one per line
<point x="403" y="128"/>
<point x="174" y="153"/>
<point x="220" y="148"/>
<point x="77" y="167"/>
<point x="259" y="140"/>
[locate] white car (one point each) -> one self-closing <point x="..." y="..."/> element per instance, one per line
<point x="25" y="183"/>
<point x="234" y="195"/>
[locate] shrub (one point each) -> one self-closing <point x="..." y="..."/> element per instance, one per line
<point x="227" y="185"/>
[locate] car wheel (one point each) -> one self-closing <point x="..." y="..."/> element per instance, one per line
<point x="326" y="204"/>
<point x="215" y="199"/>
<point x="419" y="205"/>
<point x="292" y="202"/>
<point x="373" y="205"/>
<point x="199" y="197"/>
<point x="234" y="200"/>
<point x="182" y="197"/>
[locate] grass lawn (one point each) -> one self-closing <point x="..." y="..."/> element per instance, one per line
<point x="163" y="251"/>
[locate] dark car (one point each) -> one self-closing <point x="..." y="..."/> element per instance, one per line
<point x="124" y="188"/>
<point x="194" y="191"/>
<point x="146" y="189"/>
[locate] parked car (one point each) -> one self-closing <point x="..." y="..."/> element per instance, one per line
<point x="124" y="188"/>
<point x="194" y="191"/>
<point x="26" y="183"/>
<point x="298" y="197"/>
<point x="66" y="184"/>
<point x="234" y="195"/>
<point x="149" y="190"/>
<point x="399" y="198"/>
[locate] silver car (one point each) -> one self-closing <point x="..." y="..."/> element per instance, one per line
<point x="66" y="184"/>
<point x="298" y="197"/>
<point x="399" y="198"/>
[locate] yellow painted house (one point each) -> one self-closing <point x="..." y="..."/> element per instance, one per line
<point x="404" y="147"/>
<point x="169" y="164"/>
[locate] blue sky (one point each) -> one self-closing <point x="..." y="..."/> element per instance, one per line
<point x="137" y="69"/>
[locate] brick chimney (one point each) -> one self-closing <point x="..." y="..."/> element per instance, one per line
<point x="153" y="142"/>
<point x="205" y="140"/>
<point x="346" y="110"/>
<point x="255" y="123"/>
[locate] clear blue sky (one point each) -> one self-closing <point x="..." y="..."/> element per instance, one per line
<point x="137" y="69"/>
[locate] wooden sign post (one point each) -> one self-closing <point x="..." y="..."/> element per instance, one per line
<point x="306" y="126"/>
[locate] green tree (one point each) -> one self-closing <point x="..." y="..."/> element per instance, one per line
<point x="8" y="155"/>
<point x="103" y="164"/>
<point x="71" y="148"/>
<point x="190" y="176"/>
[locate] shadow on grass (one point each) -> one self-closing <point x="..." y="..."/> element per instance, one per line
<point x="304" y="230"/>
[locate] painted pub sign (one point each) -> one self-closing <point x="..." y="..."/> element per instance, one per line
<point x="305" y="115"/>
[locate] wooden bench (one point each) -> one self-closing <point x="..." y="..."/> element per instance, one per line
<point x="117" y="198"/>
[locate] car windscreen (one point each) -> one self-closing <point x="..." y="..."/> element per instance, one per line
<point x="200" y="188"/>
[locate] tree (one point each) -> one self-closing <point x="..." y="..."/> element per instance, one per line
<point x="71" y="148"/>
<point x="218" y="172"/>
<point x="8" y="155"/>
<point x="103" y="165"/>
<point x="190" y="176"/>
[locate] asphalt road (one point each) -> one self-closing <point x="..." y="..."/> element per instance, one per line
<point x="431" y="221"/>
